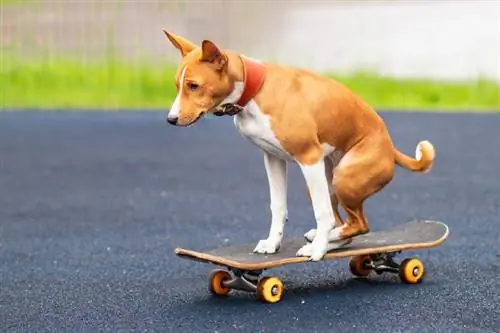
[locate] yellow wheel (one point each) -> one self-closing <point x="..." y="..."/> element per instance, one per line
<point x="358" y="265"/>
<point x="270" y="289"/>
<point x="215" y="280"/>
<point x="411" y="271"/>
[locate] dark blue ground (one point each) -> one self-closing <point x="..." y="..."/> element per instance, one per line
<point x="92" y="206"/>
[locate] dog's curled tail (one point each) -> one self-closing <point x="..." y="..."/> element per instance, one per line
<point x="424" y="158"/>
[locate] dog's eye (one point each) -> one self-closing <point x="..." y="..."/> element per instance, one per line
<point x="193" y="86"/>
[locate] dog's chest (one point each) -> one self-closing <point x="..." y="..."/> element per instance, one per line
<point x="255" y="126"/>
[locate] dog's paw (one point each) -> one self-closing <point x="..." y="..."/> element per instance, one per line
<point x="333" y="235"/>
<point x="315" y="250"/>
<point x="268" y="246"/>
<point x="319" y="250"/>
<point x="338" y="244"/>
<point x="309" y="236"/>
<point x="305" y="251"/>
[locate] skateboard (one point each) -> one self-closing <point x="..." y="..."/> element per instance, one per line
<point x="371" y="252"/>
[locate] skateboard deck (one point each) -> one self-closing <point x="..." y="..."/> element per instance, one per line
<point x="416" y="234"/>
<point x="371" y="252"/>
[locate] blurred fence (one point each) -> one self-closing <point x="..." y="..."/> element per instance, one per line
<point x="440" y="38"/>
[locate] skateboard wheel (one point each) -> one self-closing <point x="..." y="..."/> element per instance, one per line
<point x="358" y="265"/>
<point x="411" y="271"/>
<point x="215" y="282"/>
<point x="270" y="289"/>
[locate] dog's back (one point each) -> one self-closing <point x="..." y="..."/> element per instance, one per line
<point x="306" y="100"/>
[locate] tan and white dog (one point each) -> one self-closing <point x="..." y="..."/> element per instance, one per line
<point x="341" y="144"/>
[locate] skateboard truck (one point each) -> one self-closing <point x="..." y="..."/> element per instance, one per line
<point x="384" y="262"/>
<point x="410" y="270"/>
<point x="243" y="280"/>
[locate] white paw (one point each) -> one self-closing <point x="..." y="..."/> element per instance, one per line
<point x="268" y="246"/>
<point x="309" y="236"/>
<point x="338" y="244"/>
<point x="315" y="250"/>
<point x="319" y="250"/>
<point x="333" y="235"/>
<point x="305" y="251"/>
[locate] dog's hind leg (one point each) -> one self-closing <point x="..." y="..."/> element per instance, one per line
<point x="366" y="170"/>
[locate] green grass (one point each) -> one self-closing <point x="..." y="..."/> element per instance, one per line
<point x="63" y="83"/>
<point x="386" y="92"/>
<point x="8" y="2"/>
<point x="73" y="84"/>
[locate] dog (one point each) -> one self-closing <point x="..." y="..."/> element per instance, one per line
<point x="294" y="115"/>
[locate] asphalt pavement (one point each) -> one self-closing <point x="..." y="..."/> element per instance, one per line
<point x="92" y="205"/>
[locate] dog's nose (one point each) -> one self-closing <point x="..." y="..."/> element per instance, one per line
<point x="172" y="119"/>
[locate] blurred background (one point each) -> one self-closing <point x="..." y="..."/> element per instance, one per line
<point x="423" y="54"/>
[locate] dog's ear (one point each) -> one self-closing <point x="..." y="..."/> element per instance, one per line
<point x="213" y="55"/>
<point x="180" y="43"/>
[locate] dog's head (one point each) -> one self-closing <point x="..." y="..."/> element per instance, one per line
<point x="202" y="80"/>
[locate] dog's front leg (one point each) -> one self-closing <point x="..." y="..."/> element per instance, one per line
<point x="276" y="170"/>
<point x="323" y="212"/>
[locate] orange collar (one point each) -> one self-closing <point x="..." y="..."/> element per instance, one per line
<point x="253" y="77"/>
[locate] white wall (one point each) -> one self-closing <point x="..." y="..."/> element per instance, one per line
<point x="442" y="39"/>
